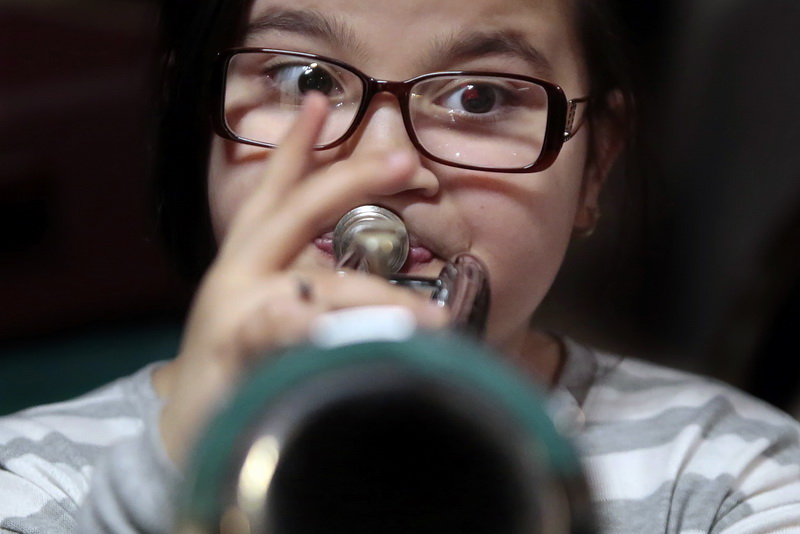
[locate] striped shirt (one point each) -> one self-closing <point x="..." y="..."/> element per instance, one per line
<point x="663" y="451"/>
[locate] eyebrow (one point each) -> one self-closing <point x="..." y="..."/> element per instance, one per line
<point x="460" y="47"/>
<point x="304" y="22"/>
<point x="445" y="51"/>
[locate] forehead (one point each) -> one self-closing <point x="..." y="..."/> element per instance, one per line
<point x="418" y="35"/>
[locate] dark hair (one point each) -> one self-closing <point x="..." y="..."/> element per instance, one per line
<point x="600" y="29"/>
<point x="194" y="31"/>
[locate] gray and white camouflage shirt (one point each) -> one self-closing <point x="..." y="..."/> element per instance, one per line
<point x="664" y="451"/>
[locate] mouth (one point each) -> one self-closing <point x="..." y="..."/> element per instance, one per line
<point x="419" y="256"/>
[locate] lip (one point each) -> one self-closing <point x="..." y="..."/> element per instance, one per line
<point x="419" y="256"/>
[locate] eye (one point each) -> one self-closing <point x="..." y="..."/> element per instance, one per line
<point x="314" y="78"/>
<point x="294" y="79"/>
<point x="475" y="98"/>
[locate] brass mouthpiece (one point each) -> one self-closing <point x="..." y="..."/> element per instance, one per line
<point x="371" y="238"/>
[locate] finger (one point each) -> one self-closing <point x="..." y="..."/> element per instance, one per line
<point x="274" y="323"/>
<point x="286" y="165"/>
<point x="289" y="163"/>
<point x="335" y="291"/>
<point x="278" y="311"/>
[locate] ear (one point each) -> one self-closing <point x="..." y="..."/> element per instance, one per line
<point x="607" y="137"/>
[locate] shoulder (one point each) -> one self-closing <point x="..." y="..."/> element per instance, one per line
<point x="681" y="449"/>
<point x="95" y="419"/>
<point x="628" y="391"/>
<point x="47" y="452"/>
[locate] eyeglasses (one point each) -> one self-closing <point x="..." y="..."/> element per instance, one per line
<point x="471" y="120"/>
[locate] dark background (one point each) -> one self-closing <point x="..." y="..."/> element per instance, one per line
<point x="695" y="262"/>
<point x="86" y="292"/>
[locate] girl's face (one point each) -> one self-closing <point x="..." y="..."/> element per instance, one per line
<point x="518" y="224"/>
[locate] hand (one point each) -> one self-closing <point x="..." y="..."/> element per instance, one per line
<point x="250" y="300"/>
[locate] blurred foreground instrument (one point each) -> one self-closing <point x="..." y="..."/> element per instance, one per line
<point x="376" y="427"/>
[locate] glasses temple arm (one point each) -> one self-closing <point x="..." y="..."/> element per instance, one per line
<point x="571" y="127"/>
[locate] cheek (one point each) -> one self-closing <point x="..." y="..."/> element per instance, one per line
<point x="522" y="233"/>
<point x="524" y="253"/>
<point x="234" y="170"/>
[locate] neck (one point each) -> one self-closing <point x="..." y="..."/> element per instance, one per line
<point x="538" y="355"/>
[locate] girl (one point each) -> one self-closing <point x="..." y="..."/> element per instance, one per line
<point x="478" y="151"/>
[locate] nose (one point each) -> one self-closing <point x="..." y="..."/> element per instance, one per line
<point x="383" y="129"/>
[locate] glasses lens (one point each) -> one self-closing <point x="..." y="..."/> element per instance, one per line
<point x="484" y="121"/>
<point x="264" y="92"/>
